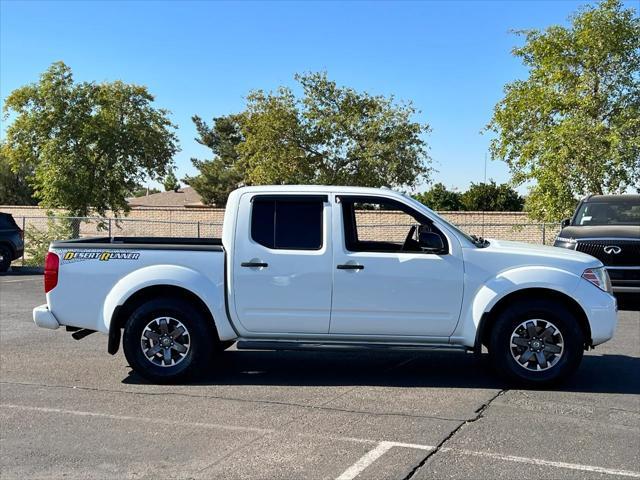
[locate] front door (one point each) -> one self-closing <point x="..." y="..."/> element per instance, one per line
<point x="384" y="284"/>
<point x="282" y="265"/>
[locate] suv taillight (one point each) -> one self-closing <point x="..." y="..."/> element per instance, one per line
<point x="51" y="265"/>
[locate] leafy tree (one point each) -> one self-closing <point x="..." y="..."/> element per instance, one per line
<point x="439" y="198"/>
<point x="14" y="187"/>
<point x="573" y="126"/>
<point x="223" y="173"/>
<point x="332" y="135"/>
<point x="38" y="240"/>
<point x="491" y="197"/>
<point x="170" y="182"/>
<point x="87" y="144"/>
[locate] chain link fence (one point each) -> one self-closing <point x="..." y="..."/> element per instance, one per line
<point x="40" y="231"/>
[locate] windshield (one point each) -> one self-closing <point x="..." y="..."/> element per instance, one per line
<point x="609" y="213"/>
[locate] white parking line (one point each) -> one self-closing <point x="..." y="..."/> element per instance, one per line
<point x="354" y="470"/>
<point x="22" y="280"/>
<point x="372" y="455"/>
<point x="161" y="421"/>
<point x="547" y="463"/>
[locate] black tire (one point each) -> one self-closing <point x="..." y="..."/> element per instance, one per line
<point x="502" y="352"/>
<point x="200" y="339"/>
<point x="5" y="258"/>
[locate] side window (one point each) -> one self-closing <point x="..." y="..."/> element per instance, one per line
<point x="287" y="224"/>
<point x="381" y="225"/>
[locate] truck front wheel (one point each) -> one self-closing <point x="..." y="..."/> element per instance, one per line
<point x="536" y="342"/>
<point x="167" y="340"/>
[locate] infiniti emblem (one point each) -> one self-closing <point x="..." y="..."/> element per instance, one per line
<point x="612" y="249"/>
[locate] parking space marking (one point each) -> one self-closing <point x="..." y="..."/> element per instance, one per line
<point x="22" y="280"/>
<point x="546" y="463"/>
<point x="372" y="455"/>
<point x="109" y="416"/>
<point x="381" y="447"/>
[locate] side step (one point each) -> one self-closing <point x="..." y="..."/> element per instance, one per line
<point x="342" y="346"/>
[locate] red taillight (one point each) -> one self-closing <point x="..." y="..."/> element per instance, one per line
<point x="51" y="265"/>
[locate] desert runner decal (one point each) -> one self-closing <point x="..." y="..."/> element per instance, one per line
<point x="104" y="256"/>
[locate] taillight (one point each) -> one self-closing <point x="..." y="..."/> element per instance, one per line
<point x="51" y="266"/>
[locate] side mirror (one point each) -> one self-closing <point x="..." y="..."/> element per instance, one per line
<point x="565" y="223"/>
<point x="431" y="242"/>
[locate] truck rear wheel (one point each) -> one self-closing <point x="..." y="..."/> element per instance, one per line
<point x="167" y="340"/>
<point x="536" y="342"/>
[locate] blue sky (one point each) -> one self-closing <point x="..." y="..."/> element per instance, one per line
<point x="451" y="59"/>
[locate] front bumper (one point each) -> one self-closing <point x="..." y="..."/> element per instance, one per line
<point x="43" y="318"/>
<point x="601" y="309"/>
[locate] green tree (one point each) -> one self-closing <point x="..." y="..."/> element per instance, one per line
<point x="223" y="173"/>
<point x="14" y="187"/>
<point x="573" y="126"/>
<point x="439" y="198"/>
<point x="491" y="197"/>
<point x="331" y="135"/>
<point x="170" y="182"/>
<point x="87" y="144"/>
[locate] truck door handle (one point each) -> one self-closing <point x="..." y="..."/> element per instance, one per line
<point x="254" y="264"/>
<point x="350" y="266"/>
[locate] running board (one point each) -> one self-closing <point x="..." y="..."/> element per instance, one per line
<point x="342" y="346"/>
<point x="81" y="333"/>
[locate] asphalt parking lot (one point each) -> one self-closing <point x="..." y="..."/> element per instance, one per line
<point x="68" y="409"/>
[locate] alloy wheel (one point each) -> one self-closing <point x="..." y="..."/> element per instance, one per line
<point x="165" y="341"/>
<point x="536" y="345"/>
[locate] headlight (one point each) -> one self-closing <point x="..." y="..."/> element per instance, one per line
<point x="563" y="242"/>
<point x="599" y="277"/>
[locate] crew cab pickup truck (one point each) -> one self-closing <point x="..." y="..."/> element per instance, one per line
<point x="314" y="267"/>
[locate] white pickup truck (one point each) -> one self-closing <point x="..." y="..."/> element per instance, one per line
<point x="314" y="267"/>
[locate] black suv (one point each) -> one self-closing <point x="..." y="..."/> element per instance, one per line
<point x="608" y="227"/>
<point x="11" y="241"/>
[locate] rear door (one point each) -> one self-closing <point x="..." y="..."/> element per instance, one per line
<point x="283" y="263"/>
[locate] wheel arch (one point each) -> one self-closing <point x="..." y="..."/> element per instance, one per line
<point x="489" y="317"/>
<point x="122" y="312"/>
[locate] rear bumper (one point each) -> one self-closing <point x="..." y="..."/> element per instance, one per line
<point x="43" y="318"/>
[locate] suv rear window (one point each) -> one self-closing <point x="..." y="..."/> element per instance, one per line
<point x="285" y="223"/>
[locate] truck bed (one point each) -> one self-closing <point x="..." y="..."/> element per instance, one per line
<point x="142" y="243"/>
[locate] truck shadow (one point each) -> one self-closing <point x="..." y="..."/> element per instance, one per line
<point x="597" y="373"/>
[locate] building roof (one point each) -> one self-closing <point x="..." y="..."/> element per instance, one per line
<point x="183" y="197"/>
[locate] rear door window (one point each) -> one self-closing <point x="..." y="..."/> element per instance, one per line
<point x="287" y="224"/>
